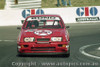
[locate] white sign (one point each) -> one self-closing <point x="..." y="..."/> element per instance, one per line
<point x="69" y="15"/>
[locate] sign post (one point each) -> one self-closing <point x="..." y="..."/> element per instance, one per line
<point x="16" y="1"/>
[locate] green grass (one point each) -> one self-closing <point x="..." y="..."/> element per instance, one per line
<point x="75" y="3"/>
<point x="53" y="3"/>
<point x="2" y="4"/>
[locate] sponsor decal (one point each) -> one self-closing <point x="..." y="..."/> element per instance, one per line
<point x="87" y="14"/>
<point x="44" y="18"/>
<point x="43" y="32"/>
<point x="88" y="19"/>
<point x="28" y="12"/>
<point x="86" y="11"/>
<point x="29" y="30"/>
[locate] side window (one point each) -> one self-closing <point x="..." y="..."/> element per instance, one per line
<point x="56" y="23"/>
<point x="28" y="24"/>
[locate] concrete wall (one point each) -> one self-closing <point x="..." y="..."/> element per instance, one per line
<point x="69" y="15"/>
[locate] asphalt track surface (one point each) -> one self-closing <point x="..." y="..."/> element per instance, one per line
<point x="80" y="35"/>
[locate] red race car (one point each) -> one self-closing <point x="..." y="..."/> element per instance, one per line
<point x="43" y="34"/>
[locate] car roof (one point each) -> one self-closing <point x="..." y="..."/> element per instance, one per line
<point x="44" y="15"/>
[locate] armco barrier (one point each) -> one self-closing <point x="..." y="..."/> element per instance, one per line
<point x="69" y="15"/>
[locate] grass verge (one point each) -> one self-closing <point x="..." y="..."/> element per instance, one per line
<point x="75" y="3"/>
<point x="2" y="4"/>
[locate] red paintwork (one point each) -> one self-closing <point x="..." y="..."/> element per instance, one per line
<point x="43" y="47"/>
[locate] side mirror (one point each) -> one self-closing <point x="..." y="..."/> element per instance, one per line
<point x="22" y="21"/>
<point x="67" y="26"/>
<point x="18" y="28"/>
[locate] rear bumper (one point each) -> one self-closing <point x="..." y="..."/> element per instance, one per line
<point x="51" y="48"/>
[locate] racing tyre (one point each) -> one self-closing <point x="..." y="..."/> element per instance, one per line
<point x="67" y="54"/>
<point x="19" y="54"/>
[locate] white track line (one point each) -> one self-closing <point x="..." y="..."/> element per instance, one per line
<point x="98" y="48"/>
<point x="87" y="54"/>
<point x="7" y="40"/>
